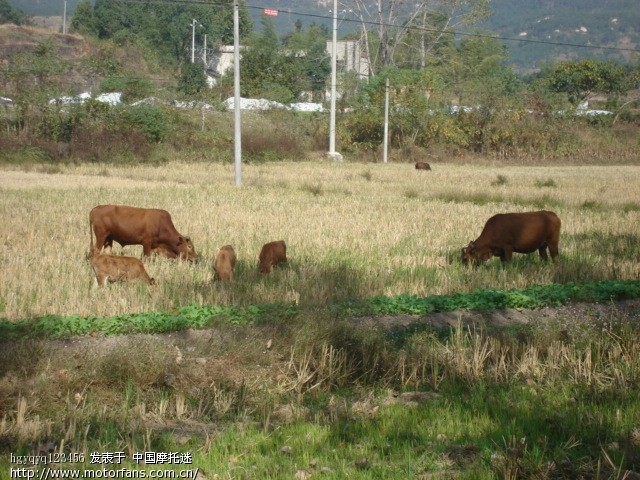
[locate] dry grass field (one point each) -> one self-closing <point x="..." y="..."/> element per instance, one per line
<point x="351" y="230"/>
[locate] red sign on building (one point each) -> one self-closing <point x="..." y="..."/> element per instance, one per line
<point x="271" y="11"/>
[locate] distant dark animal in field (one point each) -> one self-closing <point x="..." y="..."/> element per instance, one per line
<point x="272" y="254"/>
<point x="423" y="166"/>
<point x="506" y="233"/>
<point x="150" y="227"/>
<point x="225" y="263"/>
<point x="113" y="268"/>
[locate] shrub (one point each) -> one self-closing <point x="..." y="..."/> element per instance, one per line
<point x="149" y="120"/>
<point x="132" y="88"/>
<point x="275" y="135"/>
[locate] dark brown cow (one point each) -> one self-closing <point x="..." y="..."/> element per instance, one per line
<point x="225" y="263"/>
<point x="113" y="268"/>
<point x="423" y="166"/>
<point x="150" y="227"/>
<point x="272" y="253"/>
<point x="506" y="233"/>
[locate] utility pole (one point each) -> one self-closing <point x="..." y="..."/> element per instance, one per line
<point x="334" y="53"/>
<point x="386" y="120"/>
<point x="193" y="40"/>
<point x="204" y="52"/>
<point x="236" y="94"/>
<point x="64" y="18"/>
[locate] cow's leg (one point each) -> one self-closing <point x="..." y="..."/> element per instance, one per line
<point x="146" y="249"/>
<point x="543" y="252"/>
<point x="101" y="241"/>
<point x="507" y="253"/>
<point x="108" y="245"/>
<point x="553" y="250"/>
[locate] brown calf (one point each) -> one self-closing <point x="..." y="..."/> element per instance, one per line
<point x="112" y="268"/>
<point x="225" y="263"/>
<point x="272" y="254"/>
<point x="423" y="166"/>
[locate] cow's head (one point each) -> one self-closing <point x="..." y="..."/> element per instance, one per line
<point x="185" y="250"/>
<point x="471" y="254"/>
<point x="265" y="266"/>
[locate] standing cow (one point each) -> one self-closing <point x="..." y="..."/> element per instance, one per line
<point x="114" y="268"/>
<point x="150" y="227"/>
<point x="225" y="263"/>
<point x="272" y="254"/>
<point x="506" y="233"/>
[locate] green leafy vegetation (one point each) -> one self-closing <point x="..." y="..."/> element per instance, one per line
<point x="195" y="316"/>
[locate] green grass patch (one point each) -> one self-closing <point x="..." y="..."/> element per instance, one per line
<point x="549" y="182"/>
<point x="195" y="316"/>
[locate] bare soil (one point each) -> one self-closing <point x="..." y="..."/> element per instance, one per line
<point x="212" y="344"/>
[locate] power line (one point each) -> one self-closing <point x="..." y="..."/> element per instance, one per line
<point x="406" y="27"/>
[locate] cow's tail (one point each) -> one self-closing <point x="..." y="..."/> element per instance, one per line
<point x="91" y="251"/>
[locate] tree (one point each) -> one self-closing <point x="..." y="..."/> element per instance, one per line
<point x="84" y="20"/>
<point x="192" y="78"/>
<point x="476" y="70"/>
<point x="396" y="18"/>
<point x="272" y="72"/>
<point x="309" y="49"/>
<point x="222" y="30"/>
<point x="8" y="14"/>
<point x="35" y="78"/>
<point x="165" y="27"/>
<point x="582" y="79"/>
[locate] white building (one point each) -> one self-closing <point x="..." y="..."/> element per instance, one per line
<point x="351" y="57"/>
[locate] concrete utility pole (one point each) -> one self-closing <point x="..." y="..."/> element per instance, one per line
<point x="193" y="40"/>
<point x="386" y="120"/>
<point x="64" y="18"/>
<point x="204" y="52"/>
<point x="334" y="53"/>
<point x="236" y="94"/>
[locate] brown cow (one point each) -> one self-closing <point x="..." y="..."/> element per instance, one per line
<point x="506" y="233"/>
<point x="423" y="166"/>
<point x="225" y="263"/>
<point x="272" y="253"/>
<point x="113" y="268"/>
<point x="150" y="227"/>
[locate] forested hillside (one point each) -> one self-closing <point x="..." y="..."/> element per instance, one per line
<point x="559" y="24"/>
<point x="607" y="23"/>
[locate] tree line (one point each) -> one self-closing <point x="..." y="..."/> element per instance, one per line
<point x="429" y="68"/>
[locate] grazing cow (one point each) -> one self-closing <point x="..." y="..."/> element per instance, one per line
<point x="506" y="233"/>
<point x="272" y="253"/>
<point x="113" y="268"/>
<point x="150" y="227"/>
<point x="423" y="166"/>
<point x="225" y="263"/>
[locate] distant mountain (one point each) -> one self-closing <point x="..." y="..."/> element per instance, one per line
<point x="563" y="24"/>
<point x="538" y="31"/>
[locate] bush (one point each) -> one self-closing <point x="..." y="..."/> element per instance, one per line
<point x="149" y="120"/>
<point x="132" y="88"/>
<point x="274" y="136"/>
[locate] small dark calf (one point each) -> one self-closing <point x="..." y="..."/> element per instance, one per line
<point x="272" y="254"/>
<point x="225" y="263"/>
<point x="422" y="166"/>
